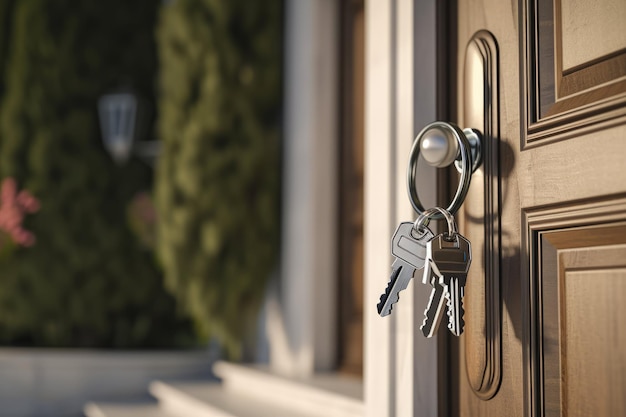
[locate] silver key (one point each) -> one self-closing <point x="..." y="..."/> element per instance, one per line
<point x="450" y="259"/>
<point x="433" y="312"/>
<point x="409" y="248"/>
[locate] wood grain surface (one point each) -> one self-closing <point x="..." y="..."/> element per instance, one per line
<point x="562" y="197"/>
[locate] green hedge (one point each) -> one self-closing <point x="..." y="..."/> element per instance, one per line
<point x="87" y="281"/>
<point x="6" y="14"/>
<point x="217" y="185"/>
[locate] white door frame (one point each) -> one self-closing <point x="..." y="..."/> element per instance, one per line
<point x="400" y="364"/>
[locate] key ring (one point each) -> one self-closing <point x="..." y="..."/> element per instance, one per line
<point x="466" y="167"/>
<point x="424" y="219"/>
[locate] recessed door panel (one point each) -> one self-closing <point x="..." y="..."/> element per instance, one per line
<point x="581" y="285"/>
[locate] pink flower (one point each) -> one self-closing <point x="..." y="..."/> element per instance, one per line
<point x="13" y="207"/>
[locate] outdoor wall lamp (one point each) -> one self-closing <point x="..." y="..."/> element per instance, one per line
<point x="118" y="114"/>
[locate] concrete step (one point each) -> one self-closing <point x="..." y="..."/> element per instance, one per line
<point x="246" y="391"/>
<point x="125" y="410"/>
<point x="202" y="399"/>
<point x="330" y="394"/>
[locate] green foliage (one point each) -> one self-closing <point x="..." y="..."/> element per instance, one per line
<point x="217" y="185"/>
<point x="87" y="281"/>
<point x="6" y="12"/>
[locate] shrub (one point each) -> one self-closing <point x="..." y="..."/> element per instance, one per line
<point x="6" y="13"/>
<point x="86" y="281"/>
<point x="217" y="185"/>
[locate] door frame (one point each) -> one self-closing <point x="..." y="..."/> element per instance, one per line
<point x="401" y="93"/>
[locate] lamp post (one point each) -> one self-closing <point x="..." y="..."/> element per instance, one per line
<point x="118" y="122"/>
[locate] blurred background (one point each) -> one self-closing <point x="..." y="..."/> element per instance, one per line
<point x="109" y="244"/>
<point x="130" y="250"/>
<point x="181" y="183"/>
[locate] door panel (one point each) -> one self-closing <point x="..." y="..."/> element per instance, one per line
<point x="550" y="236"/>
<point x="575" y="70"/>
<point x="581" y="282"/>
<point x="577" y="292"/>
<point x="580" y="23"/>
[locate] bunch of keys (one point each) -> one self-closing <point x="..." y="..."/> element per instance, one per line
<point x="446" y="260"/>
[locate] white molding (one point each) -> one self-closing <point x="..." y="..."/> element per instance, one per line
<point x="407" y="328"/>
<point x="379" y="204"/>
<point x="302" y="325"/>
<point x="400" y="365"/>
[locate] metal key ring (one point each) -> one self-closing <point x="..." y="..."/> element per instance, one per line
<point x="466" y="168"/>
<point x="424" y="218"/>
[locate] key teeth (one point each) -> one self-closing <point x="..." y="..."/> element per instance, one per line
<point x="450" y="314"/>
<point x="461" y="314"/>
<point x="425" y="316"/>
<point x="430" y="301"/>
<point x="383" y="299"/>
<point x="423" y="326"/>
<point x="385" y="296"/>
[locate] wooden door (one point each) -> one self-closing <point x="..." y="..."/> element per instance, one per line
<point x="545" y="332"/>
